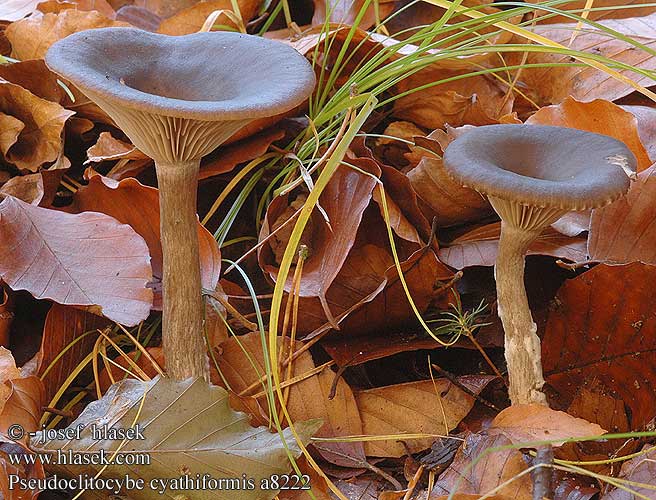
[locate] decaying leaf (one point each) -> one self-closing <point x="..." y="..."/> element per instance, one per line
<point x="188" y="428"/>
<point x="602" y="330"/>
<point x="130" y="202"/>
<point x="39" y="140"/>
<point x="191" y="19"/>
<point x="479" y="247"/>
<point x="28" y="188"/>
<point x="625" y="231"/>
<point x="599" y="116"/>
<point x="641" y="470"/>
<point x="21" y="396"/>
<point x="416" y="407"/>
<point x="110" y="148"/>
<point x="87" y="259"/>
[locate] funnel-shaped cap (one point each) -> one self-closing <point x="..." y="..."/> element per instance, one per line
<point x="164" y="86"/>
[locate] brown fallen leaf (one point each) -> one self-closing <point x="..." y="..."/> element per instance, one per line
<point x="308" y="398"/>
<point x="605" y="11"/>
<point x="139" y="17"/>
<point x="132" y="203"/>
<point x="109" y="148"/>
<point x="21" y="396"/>
<point x="13" y="10"/>
<point x="396" y="152"/>
<point x="599" y="116"/>
<point x="415" y="407"/>
<point x="10" y="129"/>
<point x="553" y="85"/>
<point x="34" y="75"/>
<point x="641" y="470"/>
<point x="646" y="117"/>
<point x="163" y="8"/>
<point x="28" y="188"/>
<point x="191" y="19"/>
<point x="88" y="259"/>
<point x="536" y="422"/>
<point x="476" y="471"/>
<point x="24" y="471"/>
<point x="30" y="38"/>
<point x="479" y="247"/>
<point x="40" y="139"/>
<point x="64" y="331"/>
<point x="56" y="6"/>
<point x="602" y="329"/>
<point x="6" y="315"/>
<point x="121" y="368"/>
<point x="625" y="231"/>
<point x="346" y="12"/>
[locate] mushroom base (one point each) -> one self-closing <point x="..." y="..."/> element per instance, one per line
<point x="183" y="339"/>
<point x="522" y="344"/>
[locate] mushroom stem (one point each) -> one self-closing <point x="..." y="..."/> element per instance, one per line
<point x="522" y="344"/>
<point x="182" y="322"/>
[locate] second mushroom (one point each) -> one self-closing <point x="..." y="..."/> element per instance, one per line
<point x="533" y="175"/>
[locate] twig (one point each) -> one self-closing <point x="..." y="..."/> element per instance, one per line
<point x="543" y="474"/>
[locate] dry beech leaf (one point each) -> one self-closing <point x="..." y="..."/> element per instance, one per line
<point x="552" y="85"/>
<point x="132" y="203"/>
<point x="489" y="472"/>
<point x="415" y="407"/>
<point x="599" y="116"/>
<point x="187" y="418"/>
<point x="63" y="327"/>
<point x="109" y="148"/>
<point x="89" y="259"/>
<point x="191" y="19"/>
<point x="603" y="330"/>
<point x="31" y="38"/>
<point x="479" y="247"/>
<point x="346" y="12"/>
<point x="641" y="470"/>
<point x="606" y="12"/>
<point x="646" y="127"/>
<point x="28" y="188"/>
<point x="308" y="398"/>
<point x="443" y="197"/>
<point x="573" y="223"/>
<point x="34" y="75"/>
<point x="228" y="157"/>
<point x="536" y="422"/>
<point x="6" y="315"/>
<point x="13" y="10"/>
<point x="10" y="129"/>
<point x="162" y="8"/>
<point x="40" y="140"/>
<point x="25" y="471"/>
<point x="625" y="231"/>
<point x="56" y="6"/>
<point x="139" y="17"/>
<point x="121" y="367"/>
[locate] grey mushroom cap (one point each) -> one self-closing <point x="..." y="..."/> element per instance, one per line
<point x="542" y="166"/>
<point x="203" y="76"/>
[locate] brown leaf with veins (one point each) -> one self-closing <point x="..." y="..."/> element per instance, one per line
<point x="490" y="471"/>
<point x="40" y="140"/>
<point x="6" y="315"/>
<point x="56" y="6"/>
<point x="346" y="12"/>
<point x="308" y="398"/>
<point x="598" y="116"/>
<point x="64" y="327"/>
<point x="31" y="38"/>
<point x="10" y="129"/>
<point x="29" y="188"/>
<point x="34" y="75"/>
<point x="21" y="396"/>
<point x="602" y="329"/>
<point x="89" y="259"/>
<point x="132" y="203"/>
<point x="625" y="231"/>
<point x="109" y="148"/>
<point x="606" y="11"/>
<point x="552" y="85"/>
<point x="420" y="407"/>
<point x="479" y="247"/>
<point x="536" y="422"/>
<point x="191" y="19"/>
<point x="641" y="470"/>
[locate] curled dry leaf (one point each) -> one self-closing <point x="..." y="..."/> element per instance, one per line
<point x="66" y="329"/>
<point x="536" y="422"/>
<point x="40" y="139"/>
<point x="28" y="188"/>
<point x="625" y="231"/>
<point x="139" y="17"/>
<point x="347" y="11"/>
<point x="603" y="329"/>
<point x="477" y="471"/>
<point x="34" y="75"/>
<point x="13" y="10"/>
<point x="6" y="315"/>
<point x="416" y="407"/>
<point x="132" y="203"/>
<point x="30" y="38"/>
<point x="599" y="116"/>
<point x="88" y="259"/>
<point x="551" y="85"/>
<point x="24" y="471"/>
<point x="479" y="247"/>
<point x="191" y="19"/>
<point x="308" y="398"/>
<point x="641" y="471"/>
<point x="10" y="129"/>
<point x="56" y="6"/>
<point x="646" y="127"/>
<point x="109" y="148"/>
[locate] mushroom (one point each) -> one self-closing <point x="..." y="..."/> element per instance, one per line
<point x="178" y="98"/>
<point x="532" y="175"/>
